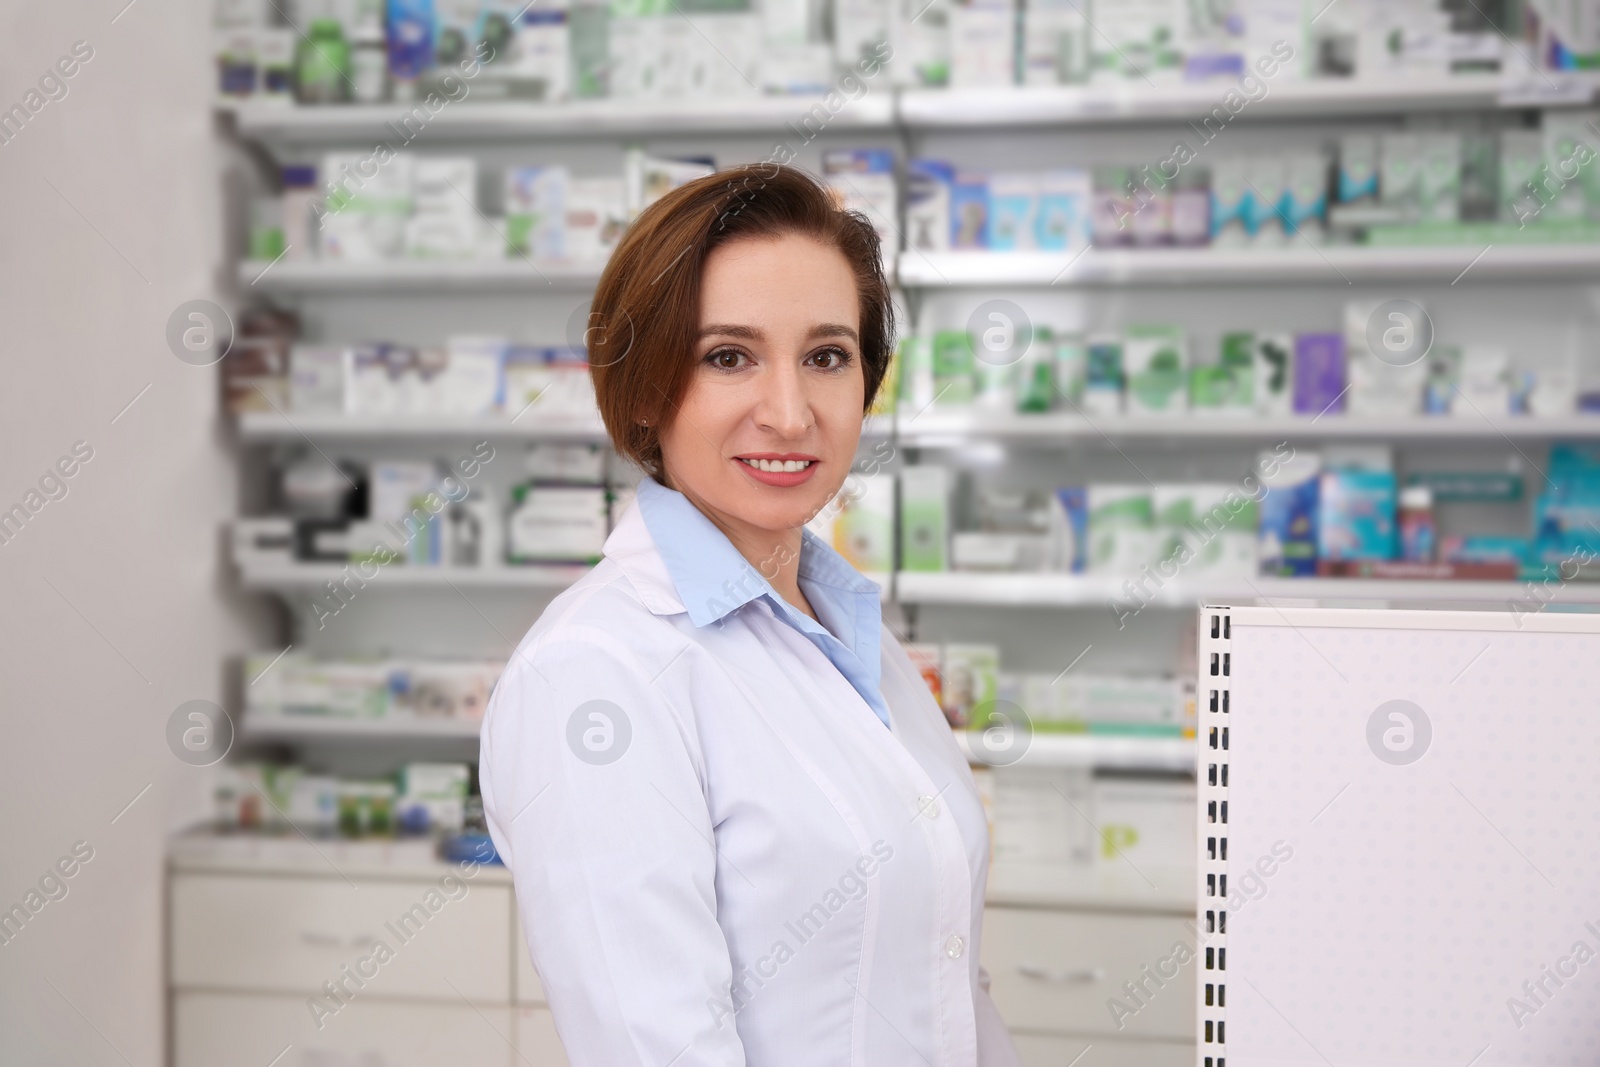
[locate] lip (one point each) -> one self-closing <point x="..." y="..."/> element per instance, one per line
<point x="778" y="479"/>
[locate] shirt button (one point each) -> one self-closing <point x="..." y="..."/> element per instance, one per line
<point x="928" y="806"/>
<point x="954" y="947"/>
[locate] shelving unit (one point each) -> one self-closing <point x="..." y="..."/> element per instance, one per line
<point x="905" y="114"/>
<point x="1037" y="619"/>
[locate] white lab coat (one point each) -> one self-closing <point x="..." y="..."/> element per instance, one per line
<point x="721" y="856"/>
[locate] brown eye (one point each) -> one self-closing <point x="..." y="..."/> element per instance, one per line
<point x="831" y="359"/>
<point x="725" y="358"/>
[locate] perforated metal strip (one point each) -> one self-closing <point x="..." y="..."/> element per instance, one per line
<point x="1211" y="774"/>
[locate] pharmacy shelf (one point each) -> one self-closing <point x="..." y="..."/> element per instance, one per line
<point x="310" y="577"/>
<point x="916" y="109"/>
<point x="971" y="588"/>
<point x="369" y="124"/>
<point x="290" y="577"/>
<point x="1300" y="263"/>
<point x="311" y="726"/>
<point x="1295" y="264"/>
<point x="925" y="109"/>
<point x="269" y="427"/>
<point x="933" y="428"/>
<point x="1057" y="590"/>
<point x="1091" y="750"/>
<point x="314" y="277"/>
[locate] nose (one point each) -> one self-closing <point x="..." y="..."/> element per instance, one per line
<point x="785" y="405"/>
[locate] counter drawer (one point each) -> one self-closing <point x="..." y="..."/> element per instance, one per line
<point x="253" y="1030"/>
<point x="291" y="934"/>
<point x="1058" y="971"/>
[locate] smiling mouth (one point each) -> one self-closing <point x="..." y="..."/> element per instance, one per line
<point x="777" y="466"/>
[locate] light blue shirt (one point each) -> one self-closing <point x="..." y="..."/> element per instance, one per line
<point x="713" y="580"/>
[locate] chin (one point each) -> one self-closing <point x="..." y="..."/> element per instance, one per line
<point x="780" y="515"/>
<point x="779" y="509"/>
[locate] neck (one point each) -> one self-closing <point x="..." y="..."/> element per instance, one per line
<point x="775" y="554"/>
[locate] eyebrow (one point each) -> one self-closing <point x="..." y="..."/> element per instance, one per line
<point x="750" y="333"/>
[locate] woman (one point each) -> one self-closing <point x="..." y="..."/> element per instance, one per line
<point x="740" y="829"/>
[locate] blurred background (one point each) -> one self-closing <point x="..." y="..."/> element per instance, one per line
<point x="1200" y="300"/>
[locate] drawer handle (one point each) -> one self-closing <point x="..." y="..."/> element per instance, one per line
<point x="1061" y="976"/>
<point x="316" y="940"/>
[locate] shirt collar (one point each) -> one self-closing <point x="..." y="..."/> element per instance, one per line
<point x="712" y="579"/>
<point x="679" y="561"/>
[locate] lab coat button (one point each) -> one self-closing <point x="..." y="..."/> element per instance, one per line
<point x="954" y="947"/>
<point x="928" y="806"/>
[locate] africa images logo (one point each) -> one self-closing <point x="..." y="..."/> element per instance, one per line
<point x="599" y="732"/>
<point x="1399" y="732"/>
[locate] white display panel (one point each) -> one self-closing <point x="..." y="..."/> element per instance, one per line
<point x="1406" y="808"/>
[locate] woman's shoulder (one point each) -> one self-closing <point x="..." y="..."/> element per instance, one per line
<point x="597" y="649"/>
<point x="599" y="623"/>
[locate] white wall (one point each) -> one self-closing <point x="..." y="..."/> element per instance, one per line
<point x="114" y="604"/>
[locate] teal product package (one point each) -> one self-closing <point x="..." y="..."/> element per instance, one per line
<point x="1356" y="515"/>
<point x="1485" y="548"/>
<point x="1566" y="516"/>
<point x="1358" y="168"/>
<point x="1233" y="212"/>
<point x="1304" y="206"/>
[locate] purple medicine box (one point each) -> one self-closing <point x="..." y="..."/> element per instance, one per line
<point x="1318" y="373"/>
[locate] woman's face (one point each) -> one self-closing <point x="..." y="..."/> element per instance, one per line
<point x="768" y="428"/>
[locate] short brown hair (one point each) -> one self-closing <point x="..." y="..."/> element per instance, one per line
<point x="645" y="318"/>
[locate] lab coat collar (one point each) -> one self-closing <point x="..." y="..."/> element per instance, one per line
<point x="632" y="549"/>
